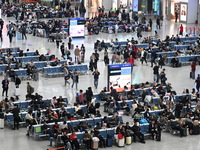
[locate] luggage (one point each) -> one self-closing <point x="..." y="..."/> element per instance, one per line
<point x="195" y="130"/>
<point x="109" y="142"/>
<point x="1" y="123"/>
<point x="95" y="144"/>
<point x="143" y="121"/>
<point x="184" y="131"/>
<point x="72" y="46"/>
<point x="1" y="115"/>
<point x="121" y="142"/>
<point x="35" y="76"/>
<point x="17" y="91"/>
<point x="128" y="140"/>
<point x="97" y="105"/>
<point x="19" y="36"/>
<point x="190" y="74"/>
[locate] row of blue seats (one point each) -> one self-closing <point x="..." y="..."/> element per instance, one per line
<point x="37" y="129"/>
<point x="31" y="58"/>
<point x="176" y="98"/>
<point x="23" y="105"/>
<point x="11" y="49"/>
<point x="16" y="54"/>
<point x="181" y="47"/>
<point x="58" y="70"/>
<point x="137" y="92"/>
<point x="9" y="116"/>
<point x="184" y="59"/>
<point x="182" y="39"/>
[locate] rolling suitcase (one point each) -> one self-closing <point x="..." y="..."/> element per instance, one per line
<point x="184" y="131"/>
<point x="19" y="36"/>
<point x="109" y="142"/>
<point x="95" y="145"/>
<point x="190" y="74"/>
<point x="128" y="140"/>
<point x="1" y="123"/>
<point x="35" y="76"/>
<point x="121" y="142"/>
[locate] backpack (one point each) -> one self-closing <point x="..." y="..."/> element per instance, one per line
<point x="10" y="32"/>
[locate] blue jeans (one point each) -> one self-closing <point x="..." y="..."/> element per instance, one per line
<point x="51" y="139"/>
<point x="75" y="83"/>
<point x="96" y="83"/>
<point x="193" y="74"/>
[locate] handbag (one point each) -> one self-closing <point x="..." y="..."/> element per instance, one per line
<point x="67" y="77"/>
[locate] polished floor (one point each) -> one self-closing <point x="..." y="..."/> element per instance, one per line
<point x="179" y="77"/>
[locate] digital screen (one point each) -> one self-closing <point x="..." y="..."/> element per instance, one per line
<point x="119" y="76"/>
<point x="183" y="12"/>
<point x="135" y="5"/>
<point x="76" y="30"/>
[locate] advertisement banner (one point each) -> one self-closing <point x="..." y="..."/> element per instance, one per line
<point x="183" y="12"/>
<point x="119" y="76"/>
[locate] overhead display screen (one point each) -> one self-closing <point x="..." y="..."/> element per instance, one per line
<point x="77" y="28"/>
<point x="119" y="75"/>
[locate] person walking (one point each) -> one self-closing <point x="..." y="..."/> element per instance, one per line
<point x="5" y="84"/>
<point x="139" y="32"/>
<point x="75" y="79"/>
<point x="96" y="74"/>
<point x="77" y="54"/>
<point x="10" y="35"/>
<point x="181" y="30"/>
<point x="69" y="42"/>
<point x="66" y="75"/>
<point x="23" y="29"/>
<point x="193" y="69"/>
<point x="198" y="82"/>
<point x="16" y="118"/>
<point x="62" y="49"/>
<point x="144" y="56"/>
<point x="156" y="73"/>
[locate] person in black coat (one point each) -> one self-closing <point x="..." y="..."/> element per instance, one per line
<point x="89" y="94"/>
<point x="136" y="130"/>
<point x="16" y="118"/>
<point x="5" y="84"/>
<point x="153" y="129"/>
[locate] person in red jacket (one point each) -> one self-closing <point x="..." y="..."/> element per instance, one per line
<point x="193" y="69"/>
<point x="73" y="139"/>
<point x="131" y="60"/>
<point x="181" y="29"/>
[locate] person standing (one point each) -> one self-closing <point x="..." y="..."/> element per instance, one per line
<point x="75" y="78"/>
<point x="139" y="32"/>
<point x="198" y="82"/>
<point x="176" y="15"/>
<point x="181" y="29"/>
<point x="77" y="54"/>
<point x="5" y="84"/>
<point x="96" y="74"/>
<point x="156" y="73"/>
<point x="69" y="43"/>
<point x="58" y="39"/>
<point x="62" y="49"/>
<point x="16" y="112"/>
<point x="150" y="23"/>
<point x="1" y="36"/>
<point x="10" y="35"/>
<point x="17" y="81"/>
<point x="193" y="69"/>
<point x="23" y="29"/>
<point x="66" y="75"/>
<point x="158" y="23"/>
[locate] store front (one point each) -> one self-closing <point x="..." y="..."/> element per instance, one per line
<point x="147" y="6"/>
<point x="185" y="11"/>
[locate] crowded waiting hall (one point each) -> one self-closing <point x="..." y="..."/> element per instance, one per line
<point x="96" y="74"/>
